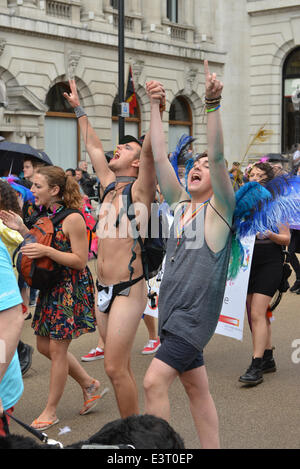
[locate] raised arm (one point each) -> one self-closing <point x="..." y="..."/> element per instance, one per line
<point x="223" y="195"/>
<point x="167" y="179"/>
<point x="145" y="185"/>
<point x="92" y="142"/>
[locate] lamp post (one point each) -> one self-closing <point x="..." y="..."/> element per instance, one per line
<point x="121" y="66"/>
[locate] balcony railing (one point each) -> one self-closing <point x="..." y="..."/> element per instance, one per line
<point x="58" y="9"/>
<point x="128" y="22"/>
<point x="178" y="33"/>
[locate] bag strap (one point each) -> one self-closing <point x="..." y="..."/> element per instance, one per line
<point x="63" y="214"/>
<point x="108" y="188"/>
<point x="40" y="435"/>
<point x="127" y="202"/>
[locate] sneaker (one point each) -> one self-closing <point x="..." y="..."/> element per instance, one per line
<point x="94" y="354"/>
<point x="151" y="347"/>
<point x="296" y="286"/>
<point x="254" y="374"/>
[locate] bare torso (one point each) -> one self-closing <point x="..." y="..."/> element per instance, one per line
<point x="116" y="242"/>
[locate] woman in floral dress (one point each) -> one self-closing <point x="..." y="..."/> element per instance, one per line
<point x="67" y="310"/>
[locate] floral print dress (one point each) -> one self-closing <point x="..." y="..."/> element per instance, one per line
<point x="68" y="310"/>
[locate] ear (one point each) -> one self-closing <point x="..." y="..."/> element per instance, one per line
<point x="136" y="163"/>
<point x="55" y="191"/>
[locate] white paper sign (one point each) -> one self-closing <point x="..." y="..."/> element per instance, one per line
<point x="231" y="321"/>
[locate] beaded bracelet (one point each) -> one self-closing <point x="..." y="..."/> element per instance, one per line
<point x="79" y="112"/>
<point x="212" y="100"/>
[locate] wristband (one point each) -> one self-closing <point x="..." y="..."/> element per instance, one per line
<point x="79" y="112"/>
<point x="213" y="109"/>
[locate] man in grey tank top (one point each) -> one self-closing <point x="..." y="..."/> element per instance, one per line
<point x="198" y="251"/>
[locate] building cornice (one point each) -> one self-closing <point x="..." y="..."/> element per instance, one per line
<point x="255" y="7"/>
<point x="46" y="29"/>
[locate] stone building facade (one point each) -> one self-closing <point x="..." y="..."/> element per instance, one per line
<point x="43" y="43"/>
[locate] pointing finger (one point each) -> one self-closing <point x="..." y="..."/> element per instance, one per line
<point x="206" y="68"/>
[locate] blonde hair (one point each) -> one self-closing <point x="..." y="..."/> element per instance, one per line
<point x="69" y="190"/>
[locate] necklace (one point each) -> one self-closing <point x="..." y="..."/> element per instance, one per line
<point x="55" y="210"/>
<point x="182" y="223"/>
<point x="115" y="191"/>
<point x="114" y="194"/>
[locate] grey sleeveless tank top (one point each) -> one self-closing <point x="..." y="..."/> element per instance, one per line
<point x="193" y="284"/>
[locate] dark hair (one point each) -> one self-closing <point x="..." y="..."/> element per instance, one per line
<point x="266" y="168"/>
<point x="69" y="189"/>
<point x="8" y="198"/>
<point x="71" y="170"/>
<point x="198" y="156"/>
<point x="35" y="163"/>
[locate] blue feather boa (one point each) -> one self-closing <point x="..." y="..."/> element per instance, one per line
<point x="261" y="209"/>
<point x="26" y="193"/>
<point x="184" y="141"/>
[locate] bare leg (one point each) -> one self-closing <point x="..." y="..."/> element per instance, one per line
<point x="150" y="323"/>
<point x="202" y="407"/>
<point x="260" y="324"/>
<point x="121" y="326"/>
<point x="62" y="364"/>
<point x="157" y="382"/>
<point x="59" y="372"/>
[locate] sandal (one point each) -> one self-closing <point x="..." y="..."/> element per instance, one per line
<point x="92" y="400"/>
<point x="45" y="424"/>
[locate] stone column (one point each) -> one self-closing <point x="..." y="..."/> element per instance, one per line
<point x="152" y="14"/>
<point x="203" y="20"/>
<point x="92" y="10"/>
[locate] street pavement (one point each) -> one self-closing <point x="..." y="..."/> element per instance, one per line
<point x="263" y="417"/>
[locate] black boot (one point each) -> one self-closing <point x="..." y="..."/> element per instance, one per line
<point x="254" y="374"/>
<point x="268" y="362"/>
<point x="25" y="352"/>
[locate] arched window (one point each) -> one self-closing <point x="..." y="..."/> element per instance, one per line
<point x="132" y="123"/>
<point x="61" y="129"/>
<point x="180" y="121"/>
<point x="290" y="118"/>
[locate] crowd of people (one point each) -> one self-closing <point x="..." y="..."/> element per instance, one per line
<point x="188" y="314"/>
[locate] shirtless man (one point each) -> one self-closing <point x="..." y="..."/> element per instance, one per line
<point x="192" y="289"/>
<point x="119" y="317"/>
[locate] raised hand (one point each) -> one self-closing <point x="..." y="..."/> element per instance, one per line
<point x="12" y="220"/>
<point x="72" y="97"/>
<point x="213" y="86"/>
<point x="156" y="92"/>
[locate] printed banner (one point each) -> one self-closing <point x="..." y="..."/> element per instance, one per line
<point x="231" y="321"/>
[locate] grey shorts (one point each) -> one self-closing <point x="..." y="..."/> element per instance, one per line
<point x="178" y="353"/>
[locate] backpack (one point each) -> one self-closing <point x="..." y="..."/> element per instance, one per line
<point x="42" y="273"/>
<point x="154" y="246"/>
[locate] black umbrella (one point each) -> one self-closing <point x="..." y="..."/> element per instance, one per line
<point x="12" y="156"/>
